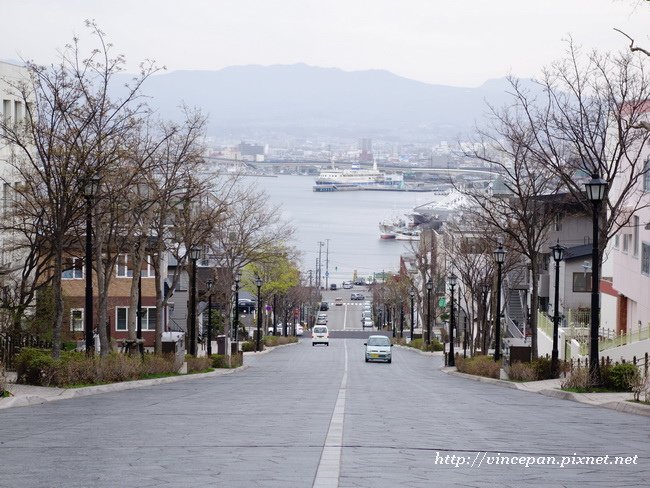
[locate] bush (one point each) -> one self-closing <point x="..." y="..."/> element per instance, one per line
<point x="522" y="372"/>
<point x="479" y="366"/>
<point x="35" y="367"/>
<point x="248" y="346"/>
<point x="197" y="364"/>
<point x="221" y="361"/>
<point x="270" y="341"/>
<point x="543" y="369"/>
<point x="156" y="365"/>
<point x="620" y="377"/>
<point x="578" y="379"/>
<point x="3" y="381"/>
<point x="421" y="345"/>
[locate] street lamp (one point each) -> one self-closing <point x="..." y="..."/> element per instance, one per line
<point x="258" y="282"/>
<point x="194" y="254"/>
<point x="429" y="288"/>
<point x="452" y="284"/>
<point x="558" y="254"/>
<point x="235" y="321"/>
<point x="90" y="190"/>
<point x="596" y="189"/>
<point x="412" y="295"/>
<point x="499" y="257"/>
<point x="401" y="320"/>
<point x="209" y="331"/>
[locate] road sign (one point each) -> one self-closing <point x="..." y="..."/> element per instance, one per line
<point x="442" y="303"/>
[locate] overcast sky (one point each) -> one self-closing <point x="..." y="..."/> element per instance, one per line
<point x="452" y="42"/>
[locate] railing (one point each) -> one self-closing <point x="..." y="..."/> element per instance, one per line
<point x="545" y="323"/>
<point x="513" y="329"/>
<point x="578" y="318"/>
<point x="11" y="344"/>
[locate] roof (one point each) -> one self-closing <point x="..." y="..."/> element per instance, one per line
<point x="577" y="252"/>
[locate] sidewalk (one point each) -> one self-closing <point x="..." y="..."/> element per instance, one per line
<point x="551" y="388"/>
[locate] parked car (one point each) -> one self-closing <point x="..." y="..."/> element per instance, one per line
<point x="378" y="348"/>
<point x="299" y="330"/>
<point x="320" y="335"/>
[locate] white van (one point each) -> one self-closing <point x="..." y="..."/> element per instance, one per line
<point x="320" y="334"/>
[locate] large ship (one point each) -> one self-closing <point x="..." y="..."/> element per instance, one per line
<point x="355" y="178"/>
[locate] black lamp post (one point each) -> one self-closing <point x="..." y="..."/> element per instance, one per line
<point x="486" y="290"/>
<point x="209" y="331"/>
<point x="401" y="320"/>
<point x="452" y="284"/>
<point x="258" y="282"/>
<point x="194" y="254"/>
<point x="412" y="295"/>
<point x="429" y="288"/>
<point x="558" y="254"/>
<point x="465" y="337"/>
<point x="140" y="313"/>
<point x="499" y="257"/>
<point x="235" y="320"/>
<point x="90" y="190"/>
<point x="596" y="189"/>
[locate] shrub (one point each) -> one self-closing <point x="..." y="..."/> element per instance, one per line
<point x="248" y="346"/>
<point x="620" y="377"/>
<point x="221" y="361"/>
<point x="479" y="366"/>
<point x="542" y="367"/>
<point x="3" y="381"/>
<point x="35" y="367"/>
<point x="270" y="341"/>
<point x="578" y="379"/>
<point x="155" y="365"/>
<point x="522" y="372"/>
<point x="196" y="364"/>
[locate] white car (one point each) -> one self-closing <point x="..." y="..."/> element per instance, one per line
<point x="347" y="285"/>
<point x="320" y="334"/>
<point x="299" y="330"/>
<point x="367" y="323"/>
<point x="378" y="348"/>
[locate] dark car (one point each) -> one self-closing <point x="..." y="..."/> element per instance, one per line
<point x="333" y="287"/>
<point x="360" y="282"/>
<point x="324" y="306"/>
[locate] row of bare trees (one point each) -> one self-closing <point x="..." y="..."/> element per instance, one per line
<point x="157" y="198"/>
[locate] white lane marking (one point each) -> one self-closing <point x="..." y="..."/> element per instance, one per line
<point x="329" y="468"/>
<point x="345" y="315"/>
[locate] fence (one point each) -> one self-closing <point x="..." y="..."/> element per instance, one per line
<point x="10" y="346"/>
<point x="642" y="363"/>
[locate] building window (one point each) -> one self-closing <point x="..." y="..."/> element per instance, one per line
<point x="627" y="238"/>
<point x="646" y="174"/>
<point x="147" y="268"/>
<point x="645" y="259"/>
<point x="149" y="315"/>
<point x="581" y="282"/>
<point x="124" y="267"/>
<point x="77" y="319"/>
<point x="72" y="269"/>
<point x="121" y="318"/>
<point x="635" y="236"/>
<point x="558" y="222"/>
<point x="616" y="241"/>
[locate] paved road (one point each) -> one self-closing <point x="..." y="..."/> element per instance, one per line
<point x="305" y="416"/>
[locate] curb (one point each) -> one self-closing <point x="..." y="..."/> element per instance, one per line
<point x="624" y="406"/>
<point x="252" y="354"/>
<point x="424" y="353"/>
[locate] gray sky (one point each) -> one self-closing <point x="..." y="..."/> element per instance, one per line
<point x="452" y="42"/>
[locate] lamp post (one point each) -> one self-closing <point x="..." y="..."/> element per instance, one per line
<point x="209" y="334"/>
<point x="499" y="257"/>
<point x="258" y="282"/>
<point x="465" y="337"/>
<point x="412" y="295"/>
<point x="596" y="189"/>
<point x="140" y="312"/>
<point x="193" y="255"/>
<point x="452" y="284"/>
<point x="429" y="288"/>
<point x="90" y="190"/>
<point x="558" y="254"/>
<point x="486" y="290"/>
<point x="235" y="320"/>
<point x="401" y="320"/>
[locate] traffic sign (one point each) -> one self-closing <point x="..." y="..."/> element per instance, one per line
<point x="442" y="303"/>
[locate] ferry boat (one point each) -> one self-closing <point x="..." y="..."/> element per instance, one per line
<point x="355" y="178"/>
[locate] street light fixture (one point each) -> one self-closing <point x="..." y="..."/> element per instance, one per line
<point x="499" y="257"/>
<point x="90" y="190"/>
<point x="209" y="331"/>
<point x="194" y="254"/>
<point x="558" y="255"/>
<point x="412" y="295"/>
<point x="235" y="321"/>
<point x="452" y="284"/>
<point x="258" y="282"/>
<point x="429" y="288"/>
<point x="596" y="189"/>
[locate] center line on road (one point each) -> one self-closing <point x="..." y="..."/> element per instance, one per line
<point x="345" y="315"/>
<point x="329" y="468"/>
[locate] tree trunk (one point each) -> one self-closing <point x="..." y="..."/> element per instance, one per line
<point x="58" y="301"/>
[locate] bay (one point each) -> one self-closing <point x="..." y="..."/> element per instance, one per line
<point x="346" y="221"/>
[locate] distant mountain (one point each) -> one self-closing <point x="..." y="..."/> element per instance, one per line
<point x="303" y="101"/>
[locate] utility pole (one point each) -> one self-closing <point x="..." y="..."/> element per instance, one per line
<point x="320" y="264"/>
<point x="327" y="263"/>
